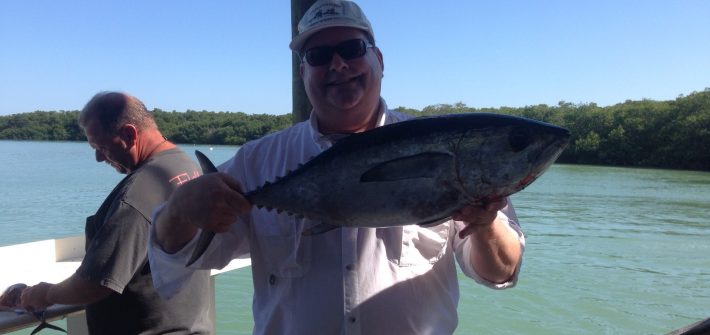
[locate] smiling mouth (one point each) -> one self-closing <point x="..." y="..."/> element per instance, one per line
<point x="344" y="81"/>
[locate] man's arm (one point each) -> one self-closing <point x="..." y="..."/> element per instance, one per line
<point x="72" y="291"/>
<point x="211" y="202"/>
<point x="495" y="251"/>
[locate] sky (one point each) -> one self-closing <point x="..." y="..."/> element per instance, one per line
<point x="233" y="56"/>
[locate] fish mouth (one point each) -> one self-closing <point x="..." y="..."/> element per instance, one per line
<point x="548" y="155"/>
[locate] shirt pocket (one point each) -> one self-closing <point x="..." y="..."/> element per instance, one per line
<point x="423" y="245"/>
<point x="286" y="253"/>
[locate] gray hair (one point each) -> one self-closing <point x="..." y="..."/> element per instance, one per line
<point x="112" y="110"/>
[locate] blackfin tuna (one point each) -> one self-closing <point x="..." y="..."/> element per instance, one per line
<point x="418" y="171"/>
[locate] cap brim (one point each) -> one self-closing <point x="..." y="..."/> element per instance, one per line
<point x="301" y="39"/>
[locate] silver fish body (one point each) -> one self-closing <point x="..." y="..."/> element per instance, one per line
<point x="417" y="171"/>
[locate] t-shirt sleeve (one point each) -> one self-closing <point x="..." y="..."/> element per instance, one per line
<point x="118" y="249"/>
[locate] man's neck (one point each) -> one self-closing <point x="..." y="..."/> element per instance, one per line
<point x="348" y="123"/>
<point x="152" y="143"/>
<point x="347" y="129"/>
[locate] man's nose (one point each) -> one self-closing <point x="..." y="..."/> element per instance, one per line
<point x="337" y="63"/>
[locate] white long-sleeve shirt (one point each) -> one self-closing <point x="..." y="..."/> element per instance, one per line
<point x="399" y="280"/>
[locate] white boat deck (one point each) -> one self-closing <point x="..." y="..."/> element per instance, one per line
<point x="53" y="261"/>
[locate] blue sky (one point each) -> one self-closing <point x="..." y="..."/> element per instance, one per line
<point x="232" y="55"/>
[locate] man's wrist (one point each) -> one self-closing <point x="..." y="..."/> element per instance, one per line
<point x="49" y="295"/>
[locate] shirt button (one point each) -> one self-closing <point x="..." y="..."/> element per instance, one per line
<point x="349" y="267"/>
<point x="272" y="279"/>
<point x="352" y="319"/>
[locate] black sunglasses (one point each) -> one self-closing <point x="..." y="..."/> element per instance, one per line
<point x="349" y="49"/>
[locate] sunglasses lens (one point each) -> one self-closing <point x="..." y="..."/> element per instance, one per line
<point x="349" y="49"/>
<point x="319" y="56"/>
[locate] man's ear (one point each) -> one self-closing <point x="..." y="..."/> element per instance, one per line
<point x="380" y="58"/>
<point x="128" y="134"/>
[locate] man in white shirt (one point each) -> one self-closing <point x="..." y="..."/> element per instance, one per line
<point x="398" y="280"/>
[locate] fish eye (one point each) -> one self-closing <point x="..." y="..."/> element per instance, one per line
<point x="519" y="138"/>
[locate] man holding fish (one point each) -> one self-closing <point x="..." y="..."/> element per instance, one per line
<point x="352" y="280"/>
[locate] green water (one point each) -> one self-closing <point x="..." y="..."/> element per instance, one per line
<point x="609" y="250"/>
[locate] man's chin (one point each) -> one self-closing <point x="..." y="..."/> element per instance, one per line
<point x="344" y="101"/>
<point x="344" y="98"/>
<point x="119" y="169"/>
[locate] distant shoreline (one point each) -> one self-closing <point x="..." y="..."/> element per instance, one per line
<point x="649" y="134"/>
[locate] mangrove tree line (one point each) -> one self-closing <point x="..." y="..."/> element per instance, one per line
<point x="645" y="133"/>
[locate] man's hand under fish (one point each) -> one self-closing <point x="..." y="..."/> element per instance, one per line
<point x="478" y="217"/>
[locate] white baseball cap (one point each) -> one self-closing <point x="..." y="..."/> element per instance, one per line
<point x="327" y="14"/>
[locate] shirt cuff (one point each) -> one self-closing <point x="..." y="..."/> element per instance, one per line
<point x="169" y="271"/>
<point x="471" y="272"/>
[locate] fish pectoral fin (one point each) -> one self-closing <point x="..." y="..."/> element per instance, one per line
<point x="423" y="165"/>
<point x="318" y="229"/>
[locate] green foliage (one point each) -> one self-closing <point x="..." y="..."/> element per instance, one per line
<point x="218" y="128"/>
<point x="43" y="126"/>
<point x="667" y="134"/>
<point x="188" y="127"/>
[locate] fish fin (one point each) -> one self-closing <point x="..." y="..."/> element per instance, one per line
<point x="423" y="165"/>
<point x="319" y="229"/>
<point x="205" y="163"/>
<point x="44" y="325"/>
<point x="39" y="315"/>
<point x="205" y="236"/>
<point x="202" y="243"/>
<point x="39" y="328"/>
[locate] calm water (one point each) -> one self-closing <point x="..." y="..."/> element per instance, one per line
<point x="609" y="250"/>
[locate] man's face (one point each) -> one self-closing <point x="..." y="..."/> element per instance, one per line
<point x="343" y="86"/>
<point x="109" y="148"/>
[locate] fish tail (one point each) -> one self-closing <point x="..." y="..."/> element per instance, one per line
<point x="44" y="325"/>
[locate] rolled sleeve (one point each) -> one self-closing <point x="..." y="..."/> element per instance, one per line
<point x="168" y="270"/>
<point x="463" y="254"/>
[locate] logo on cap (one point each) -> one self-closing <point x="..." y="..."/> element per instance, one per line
<point x="326" y="13"/>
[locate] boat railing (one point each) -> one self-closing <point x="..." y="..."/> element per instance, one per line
<point x="53" y="261"/>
